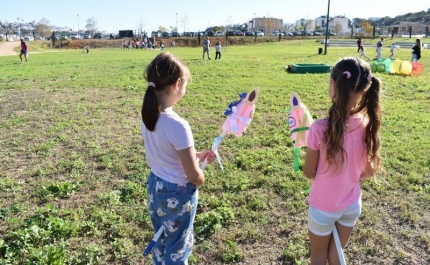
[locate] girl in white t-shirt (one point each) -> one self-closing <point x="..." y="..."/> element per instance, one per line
<point x="172" y="185"/>
<point x="218" y="50"/>
<point x="343" y="149"/>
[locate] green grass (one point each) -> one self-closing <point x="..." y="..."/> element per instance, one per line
<point x="73" y="170"/>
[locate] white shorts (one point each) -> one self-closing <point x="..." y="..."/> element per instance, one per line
<point x="321" y="223"/>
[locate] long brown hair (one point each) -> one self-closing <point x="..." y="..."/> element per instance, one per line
<point x="353" y="75"/>
<point x="162" y="72"/>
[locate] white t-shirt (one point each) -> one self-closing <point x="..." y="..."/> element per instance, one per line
<point x="172" y="133"/>
<point x="218" y="48"/>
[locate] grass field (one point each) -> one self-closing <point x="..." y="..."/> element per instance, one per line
<point x="73" y="171"/>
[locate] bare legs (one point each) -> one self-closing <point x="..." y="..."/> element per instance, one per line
<point x="25" y="56"/>
<point x="323" y="248"/>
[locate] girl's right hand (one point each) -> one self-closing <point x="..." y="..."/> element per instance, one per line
<point x="206" y="154"/>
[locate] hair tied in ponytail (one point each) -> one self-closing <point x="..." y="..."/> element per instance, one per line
<point x="369" y="77"/>
<point x="151" y="84"/>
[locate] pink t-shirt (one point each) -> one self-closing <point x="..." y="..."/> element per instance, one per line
<point x="171" y="134"/>
<point x="332" y="190"/>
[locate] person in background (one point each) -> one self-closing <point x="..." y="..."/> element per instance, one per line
<point x="416" y="51"/>
<point x="206" y="47"/>
<point x="362" y="54"/>
<point x="24" y="50"/>
<point x="359" y="41"/>
<point x="379" y="45"/>
<point x="218" y="51"/>
<point x="392" y="47"/>
<point x="343" y="149"/>
<point x="175" y="176"/>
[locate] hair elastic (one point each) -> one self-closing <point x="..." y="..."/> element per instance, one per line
<point x="151" y="84"/>
<point x="369" y="77"/>
<point x="348" y="74"/>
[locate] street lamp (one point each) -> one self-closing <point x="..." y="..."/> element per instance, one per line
<point x="78" y="22"/>
<point x="19" y="26"/>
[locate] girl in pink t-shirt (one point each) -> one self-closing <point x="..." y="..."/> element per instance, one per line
<point x="343" y="149"/>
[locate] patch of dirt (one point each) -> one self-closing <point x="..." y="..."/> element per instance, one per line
<point x="7" y="47"/>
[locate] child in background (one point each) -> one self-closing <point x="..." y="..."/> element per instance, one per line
<point x="362" y="54"/>
<point x="359" y="44"/>
<point x="416" y="51"/>
<point x="379" y="45"/>
<point x="392" y="47"/>
<point x="24" y="50"/>
<point x="343" y="149"/>
<point x="175" y="176"/>
<point x="218" y="51"/>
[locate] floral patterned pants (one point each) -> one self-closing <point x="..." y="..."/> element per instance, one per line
<point x="174" y="206"/>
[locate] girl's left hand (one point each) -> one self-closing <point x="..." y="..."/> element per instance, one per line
<point x="206" y="154"/>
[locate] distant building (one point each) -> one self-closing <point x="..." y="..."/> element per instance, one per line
<point x="339" y="25"/>
<point x="305" y="24"/>
<point x="403" y="28"/>
<point x="267" y="25"/>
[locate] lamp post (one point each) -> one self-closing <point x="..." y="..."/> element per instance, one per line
<point x="19" y="27"/>
<point x="326" y="28"/>
<point x="78" y="22"/>
<point x="177" y="30"/>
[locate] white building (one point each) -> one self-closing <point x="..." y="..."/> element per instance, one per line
<point x="305" y="24"/>
<point x="339" y="25"/>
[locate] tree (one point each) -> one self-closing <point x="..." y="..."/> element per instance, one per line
<point x="337" y="27"/>
<point x="306" y="24"/>
<point x="184" y="21"/>
<point x="269" y="24"/>
<point x="162" y="29"/>
<point x="91" y="25"/>
<point x="366" y="26"/>
<point x="43" y="28"/>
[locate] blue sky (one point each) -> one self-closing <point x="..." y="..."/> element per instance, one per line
<point x="114" y="15"/>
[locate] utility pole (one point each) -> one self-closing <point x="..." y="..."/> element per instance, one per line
<point x="326" y="28"/>
<point x="177" y="30"/>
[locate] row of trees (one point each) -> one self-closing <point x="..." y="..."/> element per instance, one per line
<point x="43" y="27"/>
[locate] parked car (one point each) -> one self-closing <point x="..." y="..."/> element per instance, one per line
<point x="239" y="33"/>
<point x="28" y="38"/>
<point x="155" y="34"/>
<point x="259" y="33"/>
<point x="332" y="34"/>
<point x="317" y="33"/>
<point x="165" y="34"/>
<point x="249" y="33"/>
<point x="276" y="33"/>
<point x="209" y="33"/>
<point x="98" y="35"/>
<point x="287" y="33"/>
<point x="63" y="37"/>
<point x="175" y="34"/>
<point x="187" y="34"/>
<point x="229" y="33"/>
<point x="87" y="36"/>
<point x="75" y="36"/>
<point x="219" y="34"/>
<point x="308" y="33"/>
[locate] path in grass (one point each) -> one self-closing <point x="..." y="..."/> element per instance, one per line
<point x="6" y="48"/>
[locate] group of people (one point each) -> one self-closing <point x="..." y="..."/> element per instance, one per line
<point x="416" y="49"/>
<point x="206" y="49"/>
<point x="343" y="149"/>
